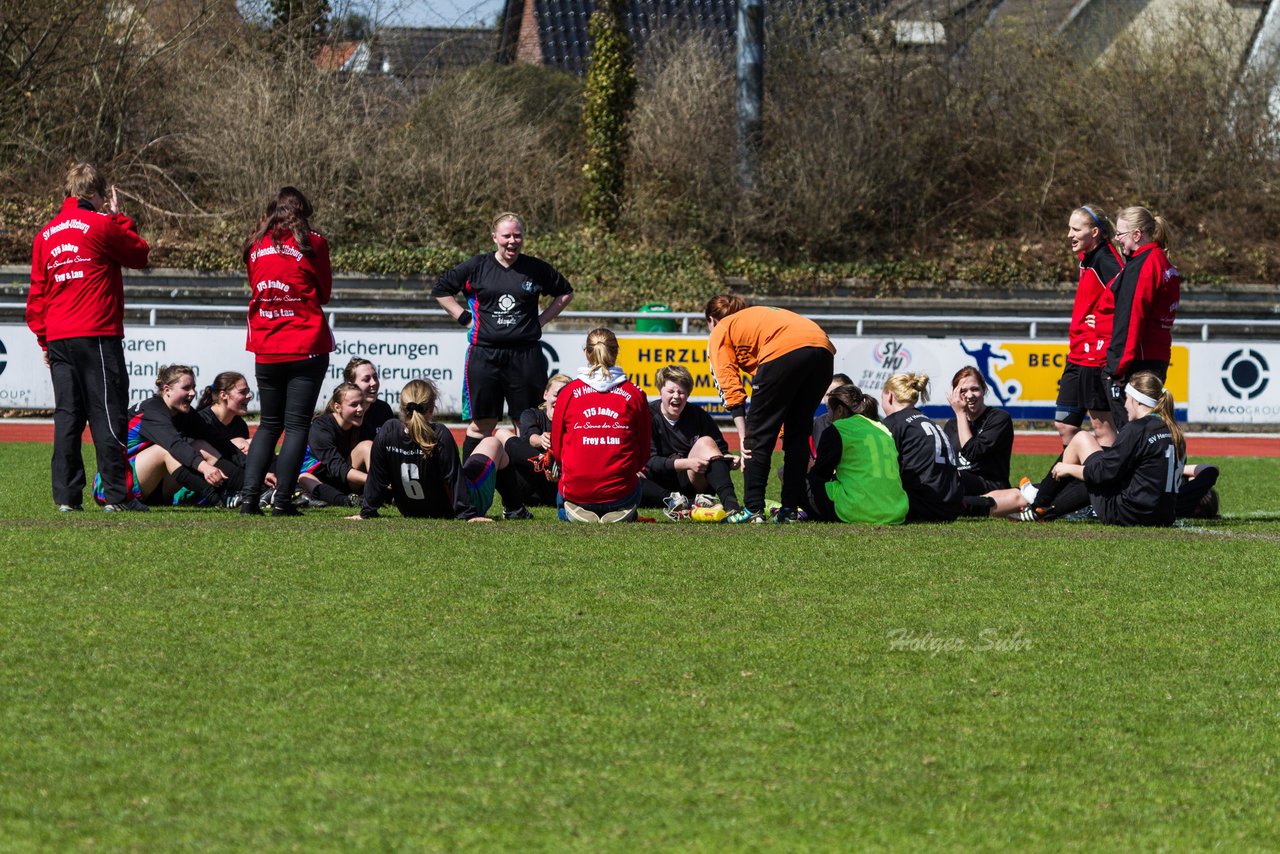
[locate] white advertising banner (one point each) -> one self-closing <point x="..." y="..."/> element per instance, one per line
<point x="1214" y="383"/>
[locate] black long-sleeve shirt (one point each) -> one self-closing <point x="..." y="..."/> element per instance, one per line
<point x="1135" y="481"/>
<point x="151" y="422"/>
<point x="670" y="442"/>
<point x="927" y="464"/>
<point x="987" y="452"/>
<point x="432" y="487"/>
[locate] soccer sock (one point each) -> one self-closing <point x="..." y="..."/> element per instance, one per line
<point x="234" y="473"/>
<point x="1049" y="487"/>
<point x="194" y="481"/>
<point x="328" y="494"/>
<point x="978" y="505"/>
<point x="719" y="480"/>
<point x="469" y="446"/>
<point x="507" y="483"/>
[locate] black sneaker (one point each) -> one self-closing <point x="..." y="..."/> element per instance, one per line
<point x="517" y="513"/>
<point x="133" y="505"/>
<point x="289" y="510"/>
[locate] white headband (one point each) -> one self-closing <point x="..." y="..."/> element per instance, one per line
<point x="1140" y="397"/>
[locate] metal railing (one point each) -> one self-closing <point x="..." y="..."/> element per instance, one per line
<point x="859" y="321"/>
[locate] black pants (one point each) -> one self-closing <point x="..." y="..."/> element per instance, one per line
<point x="784" y="395"/>
<point x="288" y="392"/>
<point x="89" y="383"/>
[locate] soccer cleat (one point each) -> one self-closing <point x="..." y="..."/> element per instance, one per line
<point x="302" y="499"/>
<point x="265" y="499"/>
<point x="675" y="507"/>
<point x="704" y="500"/>
<point x="353" y="500"/>
<point x="787" y="515"/>
<point x="1084" y="514"/>
<point x="1030" y="513"/>
<point x="133" y="505"/>
<point x="70" y="508"/>
<point x="517" y="513"/>
<point x="286" y="511"/>
<point x="230" y="500"/>
<point x="744" y="516"/>
<point x="1028" y="489"/>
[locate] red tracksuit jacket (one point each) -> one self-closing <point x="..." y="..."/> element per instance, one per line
<point x="1146" y="297"/>
<point x="600" y="436"/>
<point x="287" y="290"/>
<point x="76" y="289"/>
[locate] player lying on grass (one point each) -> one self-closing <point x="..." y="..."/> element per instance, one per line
<point x="688" y="455"/>
<point x="174" y="456"/>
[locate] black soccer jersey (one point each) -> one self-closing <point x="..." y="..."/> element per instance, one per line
<point x="533" y="422"/>
<point x="503" y="301"/>
<point x="986" y="454"/>
<point x="431" y="487"/>
<point x="1135" y="481"/>
<point x="329" y="448"/>
<point x="219" y="435"/>
<point x="379" y="413"/>
<point x="669" y="442"/>
<point x="927" y="464"/>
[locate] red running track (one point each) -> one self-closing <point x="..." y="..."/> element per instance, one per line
<point x="1206" y="445"/>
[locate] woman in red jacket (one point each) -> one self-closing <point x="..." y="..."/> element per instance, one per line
<point x="1146" y="299"/>
<point x="289" y="281"/>
<point x="1083" y="388"/>
<point x="600" y="436"/>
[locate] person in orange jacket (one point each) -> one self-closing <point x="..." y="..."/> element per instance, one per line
<point x="791" y="361"/>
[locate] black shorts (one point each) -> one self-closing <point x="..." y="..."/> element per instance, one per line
<point x="1080" y="390"/>
<point x="1118" y="413"/>
<point x="494" y="374"/>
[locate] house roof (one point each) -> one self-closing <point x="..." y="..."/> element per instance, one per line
<point x="409" y="52"/>
<point x="561" y="25"/>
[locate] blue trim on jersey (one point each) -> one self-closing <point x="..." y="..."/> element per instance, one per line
<point x="473" y="305"/>
<point x="309" y="462"/>
<point x="133" y="439"/>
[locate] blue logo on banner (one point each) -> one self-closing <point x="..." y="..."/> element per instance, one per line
<point x="1244" y="374"/>
<point x="3" y="360"/>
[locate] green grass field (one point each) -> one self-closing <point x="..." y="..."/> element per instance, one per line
<point x="188" y="680"/>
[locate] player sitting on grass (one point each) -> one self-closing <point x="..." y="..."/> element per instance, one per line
<point x="855" y="476"/>
<point x="1133" y="482"/>
<point x="600" y="437"/>
<point x="528" y="449"/>
<point x="687" y="452"/>
<point x="174" y="457"/>
<point x="337" y="458"/>
<point x="414" y="464"/>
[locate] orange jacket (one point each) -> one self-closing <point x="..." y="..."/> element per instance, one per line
<point x="747" y="339"/>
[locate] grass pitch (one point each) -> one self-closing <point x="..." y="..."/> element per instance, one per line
<point x="191" y="680"/>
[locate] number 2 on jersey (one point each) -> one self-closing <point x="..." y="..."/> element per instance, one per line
<point x="942" y="453"/>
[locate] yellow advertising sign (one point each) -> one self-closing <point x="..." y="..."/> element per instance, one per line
<point x="1033" y="370"/>
<point x="642" y="357"/>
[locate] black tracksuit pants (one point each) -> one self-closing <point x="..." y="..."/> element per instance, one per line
<point x="90" y="383"/>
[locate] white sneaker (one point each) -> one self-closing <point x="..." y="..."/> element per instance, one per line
<point x="675" y="507"/>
